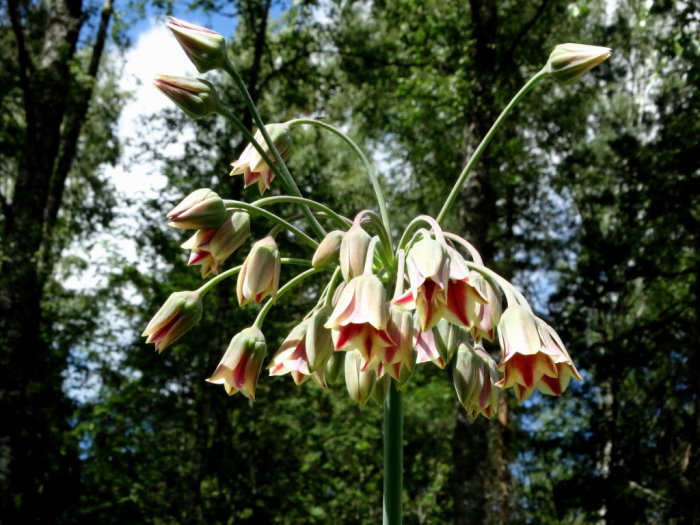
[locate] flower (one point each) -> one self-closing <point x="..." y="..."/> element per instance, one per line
<point x="260" y="274"/>
<point x="202" y="209"/>
<point x="475" y="376"/>
<point x="426" y="349"/>
<point x="532" y="355"/>
<point x="180" y="312"/>
<point x="212" y="247"/>
<point x="319" y="343"/>
<point x="489" y="313"/>
<point x="568" y="62"/>
<point x="291" y="356"/>
<point x="464" y="297"/>
<point x="360" y="317"/>
<point x="204" y="47"/>
<point x="196" y="97"/>
<point x="428" y="271"/>
<point x="448" y="337"/>
<point x="240" y="367"/>
<point x="353" y="251"/>
<point x="328" y="249"/>
<point x="251" y="164"/>
<point x="400" y="354"/>
<point x="359" y="378"/>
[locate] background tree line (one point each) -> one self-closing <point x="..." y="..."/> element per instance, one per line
<point x="588" y="198"/>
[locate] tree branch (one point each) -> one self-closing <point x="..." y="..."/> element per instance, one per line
<point x="25" y="66"/>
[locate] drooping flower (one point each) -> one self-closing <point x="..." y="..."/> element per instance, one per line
<point x="210" y="248"/>
<point x="489" y="313"/>
<point x="400" y="354"/>
<point x="240" y="367"/>
<point x="359" y="378"/>
<point x="448" y="337"/>
<point x="328" y="249"/>
<point x="180" y="312"/>
<point x="260" y="274"/>
<point x="426" y="349"/>
<point x="353" y="251"/>
<point x="359" y="319"/>
<point x="291" y="356"/>
<point x="319" y="342"/>
<point x="464" y="295"/>
<point x="202" y="209"/>
<point x="568" y="62"/>
<point x="251" y="163"/>
<point x="475" y="378"/>
<point x="531" y="357"/>
<point x="428" y="273"/>
<point x="196" y="97"/>
<point x="204" y="47"/>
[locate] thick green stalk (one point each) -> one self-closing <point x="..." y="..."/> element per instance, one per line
<point x="393" y="456"/>
<point x="462" y="179"/>
<point x="365" y="162"/>
<point x="285" y="175"/>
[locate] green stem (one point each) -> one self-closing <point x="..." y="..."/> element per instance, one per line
<point x="288" y="286"/>
<point x="285" y="175"/>
<point x="393" y="455"/>
<point x="508" y="289"/>
<point x="342" y="221"/>
<point x="268" y="215"/>
<point x="462" y="179"/>
<point x="365" y="162"/>
<point x="467" y="245"/>
<point x="207" y="286"/>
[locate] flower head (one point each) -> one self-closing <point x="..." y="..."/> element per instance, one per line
<point x="475" y="378"/>
<point x="204" y="47"/>
<point x="251" y="164"/>
<point x="196" y="97"/>
<point x="568" y="62"/>
<point x="240" y="367"/>
<point x="260" y="274"/>
<point x="202" y="209"/>
<point x="359" y="320"/>
<point x="180" y="312"/>
<point x="428" y="273"/>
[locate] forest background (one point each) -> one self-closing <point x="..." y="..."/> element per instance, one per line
<point x="588" y="198"/>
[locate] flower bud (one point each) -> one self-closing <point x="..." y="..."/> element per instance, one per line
<point x="353" y="251"/>
<point x="328" y="250"/>
<point x="568" y="62"/>
<point x="359" y="378"/>
<point x="474" y="378"/>
<point x="334" y="368"/>
<point x="240" y="367"/>
<point x="202" y="209"/>
<point x="196" y="97"/>
<point x="447" y="338"/>
<point x="319" y="344"/>
<point x="251" y="164"/>
<point x="260" y="274"/>
<point x="180" y="312"/>
<point x="204" y="47"/>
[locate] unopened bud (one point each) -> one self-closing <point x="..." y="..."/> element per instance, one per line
<point x="319" y="343"/>
<point x="474" y="377"/>
<point x="353" y="251"/>
<point x="260" y="274"/>
<point x="359" y="378"/>
<point x="568" y="62"/>
<point x="334" y="368"/>
<point x="230" y="236"/>
<point x="204" y="47"/>
<point x="195" y="97"/>
<point x="179" y="313"/>
<point x="202" y="209"/>
<point x="328" y="250"/>
<point x="447" y="338"/>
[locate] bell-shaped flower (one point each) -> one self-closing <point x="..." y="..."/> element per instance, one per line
<point x="196" y="97"/>
<point x="359" y="378"/>
<point x="565" y="366"/>
<point x="427" y="350"/>
<point x="291" y="356"/>
<point x="202" y="209"/>
<point x="260" y="274"/>
<point x="489" y="312"/>
<point x="359" y="319"/>
<point x="530" y="355"/>
<point x="204" y="47"/>
<point x="428" y="273"/>
<point x="240" y="367"/>
<point x="252" y="165"/>
<point x="353" y="252"/>
<point x="210" y="248"/>
<point x="319" y="342"/>
<point x="568" y="62"/>
<point x="475" y="378"/>
<point x="180" y="312"/>
<point x="328" y="249"/>
<point x="464" y="295"/>
<point x="400" y="354"/>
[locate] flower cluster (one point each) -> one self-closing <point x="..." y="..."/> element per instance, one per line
<point x="446" y="306"/>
